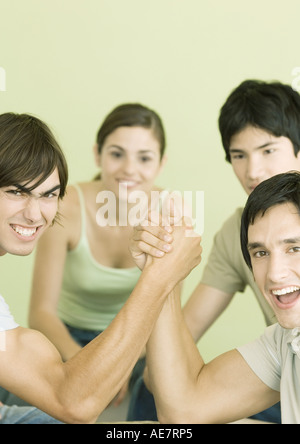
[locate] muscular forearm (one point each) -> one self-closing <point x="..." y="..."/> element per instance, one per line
<point x="188" y="391"/>
<point x="96" y="374"/>
<point x="79" y="389"/>
<point x="173" y="361"/>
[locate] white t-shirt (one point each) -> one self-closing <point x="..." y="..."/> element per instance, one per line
<point x="7" y="321"/>
<point x="275" y="358"/>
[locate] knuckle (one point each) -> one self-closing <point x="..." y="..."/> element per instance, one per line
<point x="140" y="245"/>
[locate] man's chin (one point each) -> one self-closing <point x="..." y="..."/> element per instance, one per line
<point x="289" y="324"/>
<point x="21" y="251"/>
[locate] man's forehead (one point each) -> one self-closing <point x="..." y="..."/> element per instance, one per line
<point x="279" y="223"/>
<point x="40" y="185"/>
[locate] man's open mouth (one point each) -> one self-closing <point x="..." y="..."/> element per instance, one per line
<point x="287" y="295"/>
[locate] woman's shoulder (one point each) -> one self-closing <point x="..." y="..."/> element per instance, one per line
<point x="71" y="206"/>
<point x="70" y="202"/>
<point x="79" y="197"/>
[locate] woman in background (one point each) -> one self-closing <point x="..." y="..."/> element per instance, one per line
<point x="84" y="271"/>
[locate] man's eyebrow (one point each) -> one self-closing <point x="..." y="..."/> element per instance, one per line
<point x="288" y="241"/>
<point x="254" y="245"/>
<point x="57" y="187"/>
<point x="292" y="240"/>
<point x="29" y="191"/>
<point x="21" y="188"/>
<point x="260" y="147"/>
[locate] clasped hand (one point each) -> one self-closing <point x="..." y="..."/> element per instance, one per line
<point x="175" y="242"/>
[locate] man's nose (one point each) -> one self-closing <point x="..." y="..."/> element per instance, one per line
<point x="32" y="210"/>
<point x="254" y="168"/>
<point x="277" y="270"/>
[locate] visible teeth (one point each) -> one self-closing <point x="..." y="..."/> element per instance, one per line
<point x="285" y="291"/>
<point x="25" y="231"/>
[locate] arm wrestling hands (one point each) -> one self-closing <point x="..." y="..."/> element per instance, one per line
<point x="79" y="389"/>
<point x="152" y="240"/>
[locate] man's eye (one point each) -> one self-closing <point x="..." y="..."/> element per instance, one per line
<point x="116" y="154"/>
<point x="259" y="254"/>
<point x="16" y="193"/>
<point x="237" y="156"/>
<point x="269" y="151"/>
<point x="295" y="250"/>
<point x="50" y="195"/>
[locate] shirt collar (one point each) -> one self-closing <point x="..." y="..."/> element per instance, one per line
<point x="294" y="341"/>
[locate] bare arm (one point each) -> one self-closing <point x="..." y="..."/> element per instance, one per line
<point x="222" y="391"/>
<point x="78" y="390"/>
<point x="205" y="304"/>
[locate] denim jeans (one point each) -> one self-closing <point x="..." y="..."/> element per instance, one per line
<point x="273" y="414"/>
<point x="142" y="406"/>
<point x="24" y="415"/>
<point x="17" y="411"/>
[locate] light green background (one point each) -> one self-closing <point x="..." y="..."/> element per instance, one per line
<point x="71" y="61"/>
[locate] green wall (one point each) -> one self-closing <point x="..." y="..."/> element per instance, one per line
<point x="71" y="61"/>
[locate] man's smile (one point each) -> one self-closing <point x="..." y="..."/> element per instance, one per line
<point x="286" y="297"/>
<point x="25" y="232"/>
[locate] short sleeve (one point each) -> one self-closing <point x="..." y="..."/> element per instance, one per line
<point x="223" y="268"/>
<point x="7" y="321"/>
<point x="263" y="358"/>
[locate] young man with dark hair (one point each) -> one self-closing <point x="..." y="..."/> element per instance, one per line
<point x="253" y="377"/>
<point x="260" y="129"/>
<point x="33" y="177"/>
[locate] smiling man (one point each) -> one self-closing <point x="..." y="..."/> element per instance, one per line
<point x="271" y="247"/>
<point x="259" y="126"/>
<point x="33" y="177"/>
<point x="253" y="377"/>
<point x="26" y="213"/>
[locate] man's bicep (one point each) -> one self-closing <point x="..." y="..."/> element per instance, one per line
<point x="235" y="391"/>
<point x="29" y="364"/>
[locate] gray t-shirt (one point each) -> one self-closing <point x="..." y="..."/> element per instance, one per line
<point x="275" y="359"/>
